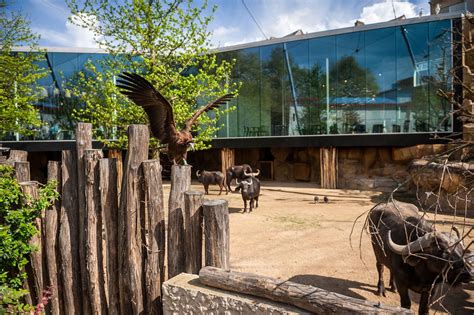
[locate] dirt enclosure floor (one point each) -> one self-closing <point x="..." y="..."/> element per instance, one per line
<point x="290" y="237"/>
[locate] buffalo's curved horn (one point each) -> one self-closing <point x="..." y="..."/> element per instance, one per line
<point x="250" y="182"/>
<point x="455" y="229"/>
<point x="237" y="181"/>
<point x="252" y="174"/>
<point x="413" y="247"/>
<point x="197" y="173"/>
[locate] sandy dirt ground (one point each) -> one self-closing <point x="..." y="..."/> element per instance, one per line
<point x="290" y="237"/>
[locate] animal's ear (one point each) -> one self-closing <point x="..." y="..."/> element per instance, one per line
<point x="412" y="260"/>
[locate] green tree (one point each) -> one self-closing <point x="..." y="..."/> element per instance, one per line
<point x="167" y="42"/>
<point x="19" y="72"/>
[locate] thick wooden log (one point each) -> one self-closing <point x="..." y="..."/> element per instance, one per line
<point x="130" y="231"/>
<point x="93" y="232"/>
<point x="16" y="156"/>
<point x="68" y="241"/>
<point x="109" y="213"/>
<point x="22" y="171"/>
<point x="50" y="236"/>
<point x="329" y="167"/>
<point x="117" y="154"/>
<point x="155" y="235"/>
<point x="35" y="267"/>
<point x="180" y="182"/>
<point x="83" y="142"/>
<point x="193" y="230"/>
<point x="216" y="233"/>
<point x="307" y="297"/>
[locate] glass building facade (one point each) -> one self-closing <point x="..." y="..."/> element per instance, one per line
<point x="382" y="80"/>
<point x="379" y="78"/>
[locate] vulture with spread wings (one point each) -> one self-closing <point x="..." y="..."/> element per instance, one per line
<point x="160" y="114"/>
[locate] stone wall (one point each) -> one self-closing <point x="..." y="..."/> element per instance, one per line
<point x="184" y="294"/>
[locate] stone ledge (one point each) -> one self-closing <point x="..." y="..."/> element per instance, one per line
<point x="184" y="294"/>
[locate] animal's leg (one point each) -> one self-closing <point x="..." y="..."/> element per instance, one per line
<point x="220" y="191"/>
<point x="251" y="205"/>
<point x="404" y="297"/>
<point x="245" y="205"/>
<point x="393" y="285"/>
<point x="380" y="284"/>
<point x="206" y="187"/>
<point x="424" y="303"/>
<point x="256" y="202"/>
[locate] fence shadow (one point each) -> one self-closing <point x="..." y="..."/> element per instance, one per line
<point x="341" y="286"/>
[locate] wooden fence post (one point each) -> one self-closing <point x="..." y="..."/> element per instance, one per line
<point x="17" y="156"/>
<point x="117" y="155"/>
<point x="83" y="142"/>
<point x="193" y="230"/>
<point x="93" y="232"/>
<point x="216" y="233"/>
<point x="109" y="213"/>
<point x="68" y="243"/>
<point x="50" y="234"/>
<point x="130" y="233"/>
<point x="180" y="182"/>
<point x="22" y="171"/>
<point x="35" y="268"/>
<point x="155" y="235"/>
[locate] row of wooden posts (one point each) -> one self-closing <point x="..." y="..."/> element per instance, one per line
<point x="102" y="245"/>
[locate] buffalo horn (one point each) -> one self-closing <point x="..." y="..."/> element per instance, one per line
<point x="252" y="174"/>
<point x="237" y="181"/>
<point x="197" y="173"/>
<point x="413" y="247"/>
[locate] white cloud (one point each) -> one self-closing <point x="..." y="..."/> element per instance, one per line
<point x="71" y="36"/>
<point x="384" y="11"/>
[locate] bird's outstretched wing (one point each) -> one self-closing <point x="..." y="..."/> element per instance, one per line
<point x="221" y="100"/>
<point x="156" y="106"/>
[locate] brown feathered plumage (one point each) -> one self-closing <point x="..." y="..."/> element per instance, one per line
<point x="160" y="114"/>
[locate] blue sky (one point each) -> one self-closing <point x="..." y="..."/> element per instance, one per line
<point x="232" y="23"/>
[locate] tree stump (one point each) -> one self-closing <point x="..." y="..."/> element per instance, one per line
<point x="193" y="230"/>
<point x="216" y="233"/>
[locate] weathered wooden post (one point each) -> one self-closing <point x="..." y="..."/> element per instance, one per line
<point x="117" y="155"/>
<point x="130" y="233"/>
<point x="109" y="213"/>
<point x="35" y="268"/>
<point x="193" y="230"/>
<point x="17" y="156"/>
<point x="68" y="243"/>
<point x="22" y="171"/>
<point x="93" y="232"/>
<point x="180" y="182"/>
<point x="155" y="235"/>
<point x="50" y="234"/>
<point x="216" y="233"/>
<point x="83" y="142"/>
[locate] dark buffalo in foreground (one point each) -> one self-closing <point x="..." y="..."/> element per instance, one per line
<point x="250" y="189"/>
<point x="236" y="172"/>
<point x="211" y="178"/>
<point x="417" y="256"/>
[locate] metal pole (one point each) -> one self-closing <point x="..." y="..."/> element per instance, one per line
<point x="17" y="134"/>
<point x="114" y="117"/>
<point x="327" y="97"/>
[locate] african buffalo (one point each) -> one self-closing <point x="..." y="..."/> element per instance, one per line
<point x="250" y="189"/>
<point x="211" y="178"/>
<point x="417" y="256"/>
<point x="236" y="172"/>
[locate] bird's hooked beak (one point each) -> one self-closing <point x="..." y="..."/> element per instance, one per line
<point x="191" y="145"/>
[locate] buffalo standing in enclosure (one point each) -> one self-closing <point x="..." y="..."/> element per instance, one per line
<point x="207" y="178"/>
<point x="418" y="257"/>
<point x="250" y="189"/>
<point x="236" y="172"/>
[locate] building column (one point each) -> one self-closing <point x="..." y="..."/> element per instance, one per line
<point x="329" y="166"/>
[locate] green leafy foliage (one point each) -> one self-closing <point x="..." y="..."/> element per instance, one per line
<point x="165" y="41"/>
<point x="19" y="73"/>
<point x="18" y="213"/>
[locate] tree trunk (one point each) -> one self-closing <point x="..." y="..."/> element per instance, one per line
<point x="130" y="231"/>
<point x="216" y="233"/>
<point x="50" y="236"/>
<point x="193" y="229"/>
<point x="155" y="235"/>
<point x="307" y="297"/>
<point x="22" y="171"/>
<point x="68" y="243"/>
<point x="17" y="156"/>
<point x="109" y="213"/>
<point x="93" y="232"/>
<point x="35" y="267"/>
<point x="180" y="182"/>
<point x="83" y="142"/>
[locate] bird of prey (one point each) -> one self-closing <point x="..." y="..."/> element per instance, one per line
<point x="160" y="114"/>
